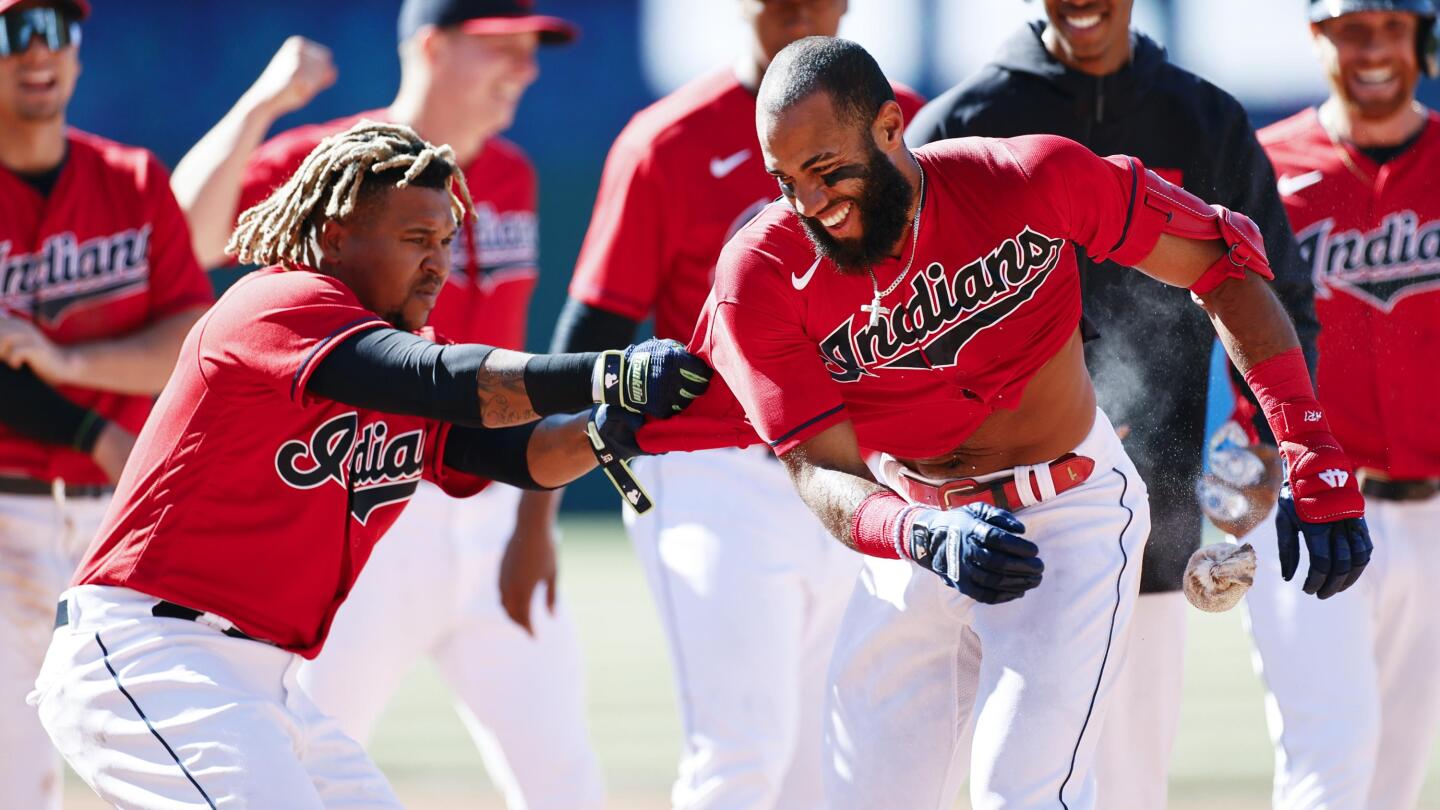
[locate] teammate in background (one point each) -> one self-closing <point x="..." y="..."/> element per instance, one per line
<point x="171" y="677"/>
<point x="1086" y="76"/>
<point x="97" y="289"/>
<point x="927" y="305"/>
<point x="1353" y="709"/>
<point x="464" y="66"/>
<point x="749" y="588"/>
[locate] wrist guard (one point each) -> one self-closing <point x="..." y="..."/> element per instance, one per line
<point x="1321" y="477"/>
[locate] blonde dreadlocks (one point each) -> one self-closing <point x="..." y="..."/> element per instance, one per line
<point x="280" y="228"/>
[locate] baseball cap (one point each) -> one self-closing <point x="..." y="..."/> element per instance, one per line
<point x="484" y="17"/>
<point x="81" y="7"/>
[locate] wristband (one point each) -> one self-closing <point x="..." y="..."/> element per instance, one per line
<point x="1283" y="389"/>
<point x="560" y="383"/>
<point x="879" y="526"/>
<point x="88" y="432"/>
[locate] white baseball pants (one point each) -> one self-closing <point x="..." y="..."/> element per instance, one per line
<point x="165" y="714"/>
<point x="928" y="685"/>
<point x="431" y="590"/>
<point x="41" y="541"/>
<point x="750" y="590"/>
<point x="1353" y="697"/>
<point x="1132" y="766"/>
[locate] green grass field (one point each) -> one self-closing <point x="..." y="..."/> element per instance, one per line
<point x="1222" y="758"/>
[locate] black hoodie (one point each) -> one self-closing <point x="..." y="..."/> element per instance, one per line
<point x="1151" y="363"/>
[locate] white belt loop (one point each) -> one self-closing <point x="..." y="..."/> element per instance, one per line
<point x="1022" y="486"/>
<point x="1046" y="480"/>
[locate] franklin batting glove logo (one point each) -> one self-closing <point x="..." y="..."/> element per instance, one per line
<point x="1335" y="478"/>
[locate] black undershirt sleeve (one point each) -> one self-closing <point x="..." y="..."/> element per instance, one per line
<point x="584" y="328"/>
<point x="36" y="411"/>
<point x="392" y="371"/>
<point x="499" y="454"/>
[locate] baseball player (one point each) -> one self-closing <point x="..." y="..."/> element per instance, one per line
<point x="521" y="695"/>
<point x="97" y="288"/>
<point x="1083" y="74"/>
<point x="748" y="587"/>
<point x="302" y="415"/>
<point x="1353" y="708"/>
<point x="927" y="305"/>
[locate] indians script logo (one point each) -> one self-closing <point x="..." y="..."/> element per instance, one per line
<point x="1401" y="257"/>
<point x="65" y="273"/>
<point x="506" y="241"/>
<point x="942" y="315"/>
<point x="381" y="469"/>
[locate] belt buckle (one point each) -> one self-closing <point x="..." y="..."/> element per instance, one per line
<point x="961" y="487"/>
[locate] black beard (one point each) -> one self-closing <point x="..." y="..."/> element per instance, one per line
<point x="883" y="207"/>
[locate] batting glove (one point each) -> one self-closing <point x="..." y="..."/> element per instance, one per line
<point x="657" y="378"/>
<point x="977" y="551"/>
<point x="1339" y="549"/>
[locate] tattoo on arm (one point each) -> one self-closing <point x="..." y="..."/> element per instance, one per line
<point x="501" y="385"/>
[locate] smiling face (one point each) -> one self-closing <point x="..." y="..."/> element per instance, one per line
<point x="840" y="176"/>
<point x="37" y="83"/>
<point x="1370" y="60"/>
<point x="1089" y="35"/>
<point x="487" y="74"/>
<point x="393" y="251"/>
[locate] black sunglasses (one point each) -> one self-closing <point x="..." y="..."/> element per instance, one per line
<point x="57" y="28"/>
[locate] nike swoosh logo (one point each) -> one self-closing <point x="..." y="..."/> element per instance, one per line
<point x="719" y="167"/>
<point x="799" y="282"/>
<point x="1288" y="185"/>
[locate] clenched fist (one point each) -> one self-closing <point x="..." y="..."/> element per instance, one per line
<point x="296" y="73"/>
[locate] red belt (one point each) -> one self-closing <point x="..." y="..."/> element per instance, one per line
<point x="1068" y="471"/>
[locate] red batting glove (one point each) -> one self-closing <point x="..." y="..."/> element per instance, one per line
<point x="1321" y="476"/>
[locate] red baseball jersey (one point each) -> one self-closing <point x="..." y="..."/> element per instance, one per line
<point x="106" y="253"/>
<point x="248" y="497"/>
<point x="495" y="257"/>
<point x="992" y="295"/>
<point x="681" y="179"/>
<point x="1371" y="235"/>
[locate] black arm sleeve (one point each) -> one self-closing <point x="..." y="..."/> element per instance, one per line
<point x="1247" y="184"/>
<point x="499" y="454"/>
<point x="36" y="411"/>
<point x="584" y="328"/>
<point x="396" y="372"/>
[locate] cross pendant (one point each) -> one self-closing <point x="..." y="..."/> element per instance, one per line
<point x="875" y="310"/>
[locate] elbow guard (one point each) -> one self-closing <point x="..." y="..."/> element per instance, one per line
<point x="1164" y="207"/>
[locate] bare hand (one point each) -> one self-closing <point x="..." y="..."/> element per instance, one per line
<point x="23" y="344"/>
<point x="112" y="448"/>
<point x="296" y="74"/>
<point x="529" y="560"/>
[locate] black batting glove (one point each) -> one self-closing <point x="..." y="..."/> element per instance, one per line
<point x="616" y="429"/>
<point x="1339" y="550"/>
<point x="977" y="550"/>
<point x="657" y="378"/>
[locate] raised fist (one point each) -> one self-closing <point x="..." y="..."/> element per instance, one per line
<point x="977" y="550"/>
<point x="657" y="378"/>
<point x="296" y="74"/>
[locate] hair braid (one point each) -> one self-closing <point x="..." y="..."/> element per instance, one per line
<point x="281" y="228"/>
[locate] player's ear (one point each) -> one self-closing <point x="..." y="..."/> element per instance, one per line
<point x="888" y="129"/>
<point x="331" y="237"/>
